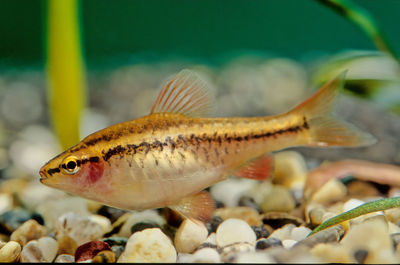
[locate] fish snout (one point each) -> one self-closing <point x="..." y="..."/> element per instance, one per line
<point x="43" y="175"/>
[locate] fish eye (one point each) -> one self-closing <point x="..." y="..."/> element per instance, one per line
<point x="70" y="165"/>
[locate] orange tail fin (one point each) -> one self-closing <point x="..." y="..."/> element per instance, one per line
<point x="326" y="129"/>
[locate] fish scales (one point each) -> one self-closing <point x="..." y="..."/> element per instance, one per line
<point x="169" y="156"/>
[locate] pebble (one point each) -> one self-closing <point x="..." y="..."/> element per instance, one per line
<point x="48" y="247"/>
<point x="10" y="252"/>
<point x="234" y="230"/>
<point x="52" y="210"/>
<point x="150" y="216"/>
<point x="90" y="249"/>
<point x="290" y="169"/>
<point x="249" y="215"/>
<point x="110" y="212"/>
<point x="189" y="236"/>
<point x="31" y="252"/>
<point x="260" y="231"/>
<point x="278" y="199"/>
<point x="149" y="245"/>
<point x="269" y="242"/>
<point x="204" y="255"/>
<point x="299" y="233"/>
<point x="332" y="191"/>
<point x="283" y="232"/>
<point x="29" y="230"/>
<point x="65" y="258"/>
<point x="102" y="221"/>
<point x="249" y="202"/>
<point x="229" y="252"/>
<point x="66" y="245"/>
<point x="288" y="243"/>
<point x="329" y="235"/>
<point x="143" y="225"/>
<point x="253" y="257"/>
<point x="279" y="219"/>
<point x="80" y="228"/>
<point x="237" y="188"/>
<point x="105" y="256"/>
<point x="12" y="219"/>
<point x="213" y="224"/>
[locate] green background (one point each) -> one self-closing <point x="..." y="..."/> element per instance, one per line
<point x="120" y="31"/>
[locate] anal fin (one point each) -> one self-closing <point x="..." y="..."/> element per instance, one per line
<point x="260" y="168"/>
<point x="198" y="207"/>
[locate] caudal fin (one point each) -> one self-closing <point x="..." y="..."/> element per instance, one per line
<point x="325" y="128"/>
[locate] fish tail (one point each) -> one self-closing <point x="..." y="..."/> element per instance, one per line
<point x="325" y="128"/>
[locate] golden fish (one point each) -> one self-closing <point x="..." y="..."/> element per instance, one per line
<point x="166" y="159"/>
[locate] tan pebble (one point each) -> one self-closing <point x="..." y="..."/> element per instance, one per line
<point x="149" y="245"/>
<point x="29" y="230"/>
<point x="104" y="222"/>
<point x="189" y="236"/>
<point x="283" y="233"/>
<point x="393" y="215"/>
<point x="129" y="219"/>
<point x="361" y="189"/>
<point x="332" y="191"/>
<point x="315" y="215"/>
<point x="290" y="169"/>
<point x="332" y="253"/>
<point x="329" y="235"/>
<point x="64" y="258"/>
<point x="249" y="215"/>
<point x="279" y="199"/>
<point x="10" y="252"/>
<point x="31" y="252"/>
<point x="105" y="256"/>
<point x="49" y="248"/>
<point x="66" y="245"/>
<point x="4" y="237"/>
<point x="371" y="235"/>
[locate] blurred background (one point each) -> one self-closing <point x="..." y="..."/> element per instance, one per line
<point x="69" y="68"/>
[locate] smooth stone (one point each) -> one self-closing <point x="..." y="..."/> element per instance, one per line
<point x="237" y="188"/>
<point x="300" y="233"/>
<point x="31" y="252"/>
<point x="90" y="249"/>
<point x="149" y="245"/>
<point x="52" y="210"/>
<point x="371" y="235"/>
<point x="360" y="255"/>
<point x="331" y="253"/>
<point x="143" y="225"/>
<point x="332" y="191"/>
<point x="233" y="231"/>
<point x="110" y="212"/>
<point x="65" y="258"/>
<point x="102" y="221"/>
<point x="10" y="251"/>
<point x="80" y="228"/>
<point x="49" y="248"/>
<point x="118" y="251"/>
<point x="278" y="199"/>
<point x="260" y="231"/>
<point x="28" y="231"/>
<point x="6" y="202"/>
<point x="189" y="236"/>
<point x="204" y="255"/>
<point x="283" y="232"/>
<point x="290" y="169"/>
<point x="247" y="201"/>
<point x="66" y="245"/>
<point x="249" y="215"/>
<point x="288" y="243"/>
<point x="329" y="235"/>
<point x="229" y="253"/>
<point x="137" y="217"/>
<point x="115" y="241"/>
<point x="269" y="242"/>
<point x="277" y="220"/>
<point x="210" y="242"/>
<point x="213" y="224"/>
<point x="105" y="256"/>
<point x="253" y="257"/>
<point x="12" y="219"/>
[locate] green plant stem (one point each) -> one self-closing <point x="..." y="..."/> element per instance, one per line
<point x="369" y="207"/>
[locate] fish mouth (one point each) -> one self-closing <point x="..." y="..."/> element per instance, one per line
<point x="43" y="176"/>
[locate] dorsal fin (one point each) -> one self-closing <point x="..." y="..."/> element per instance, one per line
<point x="186" y="93"/>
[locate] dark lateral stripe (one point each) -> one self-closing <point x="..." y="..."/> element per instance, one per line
<point x="181" y="141"/>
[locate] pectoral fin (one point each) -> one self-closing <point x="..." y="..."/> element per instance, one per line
<point x="259" y="168"/>
<point x="199" y="206"/>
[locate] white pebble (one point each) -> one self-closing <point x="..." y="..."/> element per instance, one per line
<point x="49" y="248"/>
<point x="65" y="258"/>
<point x="10" y="252"/>
<point x="79" y="228"/>
<point x="204" y="255"/>
<point x="236" y="187"/>
<point x="148" y="245"/>
<point x="189" y="236"/>
<point x="211" y="239"/>
<point x="104" y="222"/>
<point x="283" y="232"/>
<point x="31" y="252"/>
<point x="234" y="230"/>
<point x="288" y="243"/>
<point x="136" y="217"/>
<point x="299" y="233"/>
<point x="254" y="257"/>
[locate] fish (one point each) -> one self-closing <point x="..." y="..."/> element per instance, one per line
<point x="170" y="156"/>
